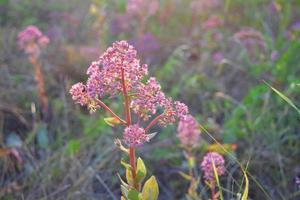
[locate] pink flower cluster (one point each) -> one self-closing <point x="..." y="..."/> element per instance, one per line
<point x="149" y="96"/>
<point x="251" y="39"/>
<point x="31" y="40"/>
<point x="32" y="34"/>
<point x="207" y="165"/>
<point x="119" y="71"/>
<point x="213" y="22"/>
<point x="135" y="136"/>
<point x="105" y="75"/>
<point x="142" y="7"/>
<point x="188" y="131"/>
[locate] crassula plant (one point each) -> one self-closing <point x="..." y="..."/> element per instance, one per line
<point x="212" y="165"/>
<point x="31" y="40"/>
<point x="118" y="72"/>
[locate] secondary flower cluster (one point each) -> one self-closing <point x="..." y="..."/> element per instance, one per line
<point x="252" y="40"/>
<point x="142" y="7"/>
<point x="135" y="136"/>
<point x="188" y="131"/>
<point x="207" y="165"/>
<point x="31" y="40"/>
<point x="118" y="71"/>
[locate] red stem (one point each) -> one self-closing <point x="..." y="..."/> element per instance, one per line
<point x="132" y="158"/>
<point x="133" y="167"/>
<point x="110" y="111"/>
<point x="213" y="192"/>
<point x="127" y="100"/>
<point x="158" y="117"/>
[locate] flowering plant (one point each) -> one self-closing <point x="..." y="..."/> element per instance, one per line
<point x="119" y="72"/>
<point x="31" y="40"/>
<point x="212" y="165"/>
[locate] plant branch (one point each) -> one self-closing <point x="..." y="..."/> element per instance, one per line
<point x="133" y="167"/>
<point x="153" y="122"/>
<point x="110" y="111"/>
<point x="127" y="100"/>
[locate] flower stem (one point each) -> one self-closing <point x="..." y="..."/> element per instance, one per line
<point x="153" y="122"/>
<point x="38" y="75"/>
<point x="133" y="167"/>
<point x="110" y="111"/>
<point x="213" y="192"/>
<point x="127" y="100"/>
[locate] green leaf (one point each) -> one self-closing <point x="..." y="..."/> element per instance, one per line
<point x="73" y="147"/>
<point x="186" y="176"/>
<point x="112" y="121"/>
<point x="141" y="170"/>
<point x="285" y="98"/>
<point x="133" y="195"/>
<point x="129" y="177"/>
<point x="217" y="179"/>
<point x="150" y="189"/>
<point x="126" y="165"/>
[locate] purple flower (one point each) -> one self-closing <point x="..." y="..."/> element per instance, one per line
<point x="297" y="181"/>
<point x="274" y="55"/>
<point x="207" y="165"/>
<point x="296" y="26"/>
<point x="134" y="136"/>
<point x="146" y="44"/>
<point x="188" y="131"/>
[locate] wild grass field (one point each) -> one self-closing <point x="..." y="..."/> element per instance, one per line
<point x="150" y="99"/>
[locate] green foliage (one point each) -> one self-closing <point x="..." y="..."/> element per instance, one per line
<point x="73" y="147"/>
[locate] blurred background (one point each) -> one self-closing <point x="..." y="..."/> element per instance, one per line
<point x="216" y="56"/>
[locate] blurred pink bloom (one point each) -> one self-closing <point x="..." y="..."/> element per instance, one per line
<point x="249" y="37"/>
<point x="30" y="34"/>
<point x="43" y="41"/>
<point x="188" y="131"/>
<point x="31" y="40"/>
<point x="134" y="136"/>
<point x="142" y="7"/>
<point x="207" y="165"/>
<point x="252" y="40"/>
<point x="204" y="5"/>
<point x="217" y="57"/>
<point x="212" y="22"/>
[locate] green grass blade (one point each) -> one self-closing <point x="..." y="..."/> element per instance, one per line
<point x="285" y="98"/>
